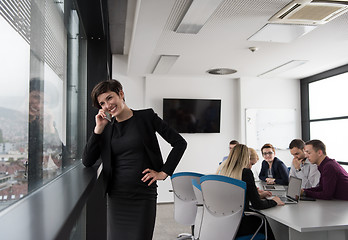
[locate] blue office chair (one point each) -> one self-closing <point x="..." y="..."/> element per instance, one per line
<point x="223" y="202"/>
<point x="200" y="210"/>
<point x="257" y="235"/>
<point x="185" y="207"/>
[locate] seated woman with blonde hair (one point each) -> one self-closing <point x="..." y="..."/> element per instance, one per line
<point x="237" y="166"/>
<point x="253" y="160"/>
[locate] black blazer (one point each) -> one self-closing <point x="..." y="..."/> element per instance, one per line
<point x="148" y="123"/>
<point x="279" y="172"/>
<point x="252" y="195"/>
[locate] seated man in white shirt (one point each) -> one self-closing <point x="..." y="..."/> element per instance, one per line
<point x="301" y="167"/>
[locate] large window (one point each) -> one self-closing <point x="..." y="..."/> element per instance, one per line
<point x="42" y="94"/>
<point x="326" y="112"/>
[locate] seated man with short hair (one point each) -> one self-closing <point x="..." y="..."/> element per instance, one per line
<point x="333" y="182"/>
<point x="233" y="143"/>
<point x="301" y="167"/>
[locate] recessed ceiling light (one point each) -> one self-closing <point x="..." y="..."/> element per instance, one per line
<point x="283" y="68"/>
<point x="221" y="71"/>
<point x="283" y="33"/>
<point x="164" y="64"/>
<point x="197" y="15"/>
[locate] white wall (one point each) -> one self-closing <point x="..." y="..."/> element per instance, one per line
<point x="134" y="87"/>
<point x="271" y="93"/>
<point x="205" y="151"/>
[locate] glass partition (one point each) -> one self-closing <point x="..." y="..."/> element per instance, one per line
<point x="42" y="94"/>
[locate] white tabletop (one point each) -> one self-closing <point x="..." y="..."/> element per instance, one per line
<point x="308" y="216"/>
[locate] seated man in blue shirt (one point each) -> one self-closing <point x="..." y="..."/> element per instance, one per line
<point x="333" y="183"/>
<point x="232" y="144"/>
<point x="301" y="167"/>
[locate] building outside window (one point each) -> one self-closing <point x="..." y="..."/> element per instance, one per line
<point x="42" y="94"/>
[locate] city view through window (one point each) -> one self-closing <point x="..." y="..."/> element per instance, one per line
<point x="36" y="94"/>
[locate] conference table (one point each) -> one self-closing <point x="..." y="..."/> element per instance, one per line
<point x="316" y="220"/>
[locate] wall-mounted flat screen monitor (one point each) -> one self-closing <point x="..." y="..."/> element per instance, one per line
<point x="192" y="115"/>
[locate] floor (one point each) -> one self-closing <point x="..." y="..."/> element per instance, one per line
<point x="166" y="228"/>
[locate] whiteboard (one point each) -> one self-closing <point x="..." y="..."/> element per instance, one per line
<point x="275" y="126"/>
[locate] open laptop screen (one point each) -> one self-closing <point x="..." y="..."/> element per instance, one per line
<point x="294" y="189"/>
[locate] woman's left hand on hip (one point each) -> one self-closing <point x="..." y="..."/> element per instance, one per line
<point x="152" y="175"/>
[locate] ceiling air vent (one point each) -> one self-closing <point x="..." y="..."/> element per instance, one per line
<point x="310" y="12"/>
<point x="221" y="71"/>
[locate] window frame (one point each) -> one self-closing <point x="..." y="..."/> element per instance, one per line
<point x="304" y="88"/>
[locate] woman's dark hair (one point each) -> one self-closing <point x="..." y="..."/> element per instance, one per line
<point x="103" y="87"/>
<point x="51" y="92"/>
<point x="36" y="84"/>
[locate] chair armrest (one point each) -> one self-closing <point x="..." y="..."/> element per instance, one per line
<point x="263" y="221"/>
<point x="246" y="213"/>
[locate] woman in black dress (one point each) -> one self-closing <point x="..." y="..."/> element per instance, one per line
<point x="132" y="161"/>
<point x="237" y="166"/>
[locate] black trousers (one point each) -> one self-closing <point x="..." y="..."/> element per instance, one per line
<point x="249" y="225"/>
<point x="131" y="219"/>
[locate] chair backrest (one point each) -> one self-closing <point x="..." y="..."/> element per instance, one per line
<point x="185" y="208"/>
<point x="200" y="210"/>
<point x="223" y="199"/>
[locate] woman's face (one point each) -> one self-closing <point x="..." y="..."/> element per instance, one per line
<point x="35" y="105"/>
<point x="111" y="102"/>
<point x="253" y="161"/>
<point x="268" y="154"/>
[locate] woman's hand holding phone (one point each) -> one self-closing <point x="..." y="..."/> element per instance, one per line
<point x="101" y="119"/>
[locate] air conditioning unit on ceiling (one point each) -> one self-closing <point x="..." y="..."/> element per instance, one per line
<point x="310" y="12"/>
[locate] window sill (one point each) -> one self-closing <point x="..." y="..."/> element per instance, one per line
<point x="49" y="212"/>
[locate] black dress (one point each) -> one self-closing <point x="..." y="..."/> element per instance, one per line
<point x="131" y="203"/>
<point x="249" y="224"/>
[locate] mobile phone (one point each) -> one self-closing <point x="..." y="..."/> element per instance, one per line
<point x="108" y="116"/>
<point x="307" y="199"/>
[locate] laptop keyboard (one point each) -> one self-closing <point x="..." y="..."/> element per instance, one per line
<point x="280" y="195"/>
<point x="284" y="199"/>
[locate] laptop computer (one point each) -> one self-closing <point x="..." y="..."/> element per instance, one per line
<point x="294" y="191"/>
